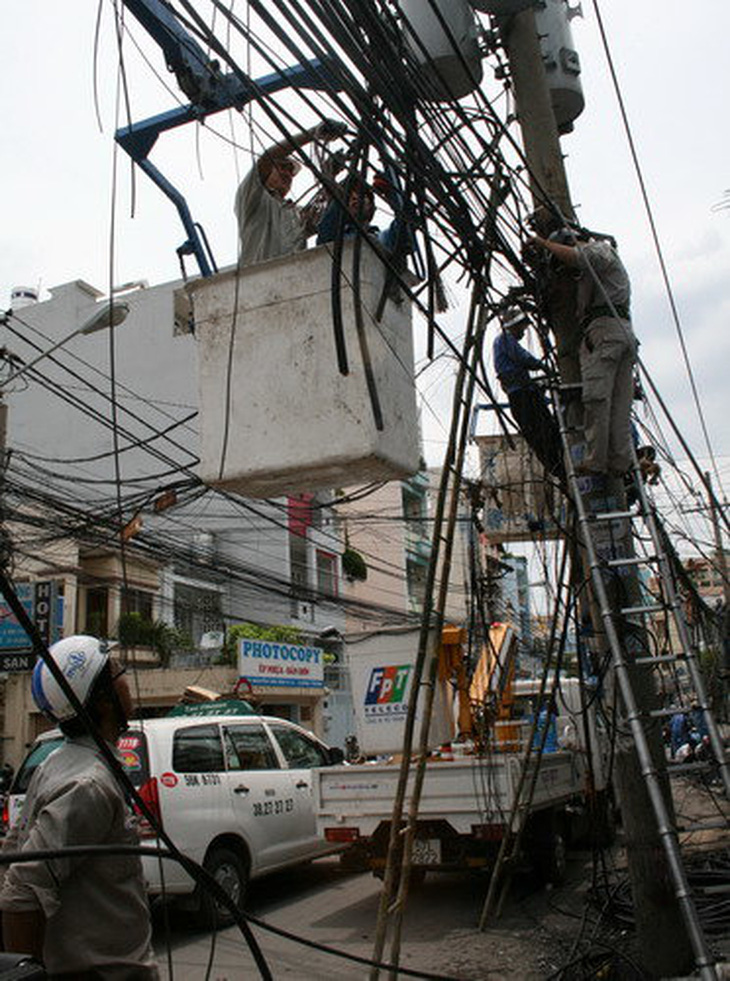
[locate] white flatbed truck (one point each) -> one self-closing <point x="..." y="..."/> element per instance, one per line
<point x="466" y="801"/>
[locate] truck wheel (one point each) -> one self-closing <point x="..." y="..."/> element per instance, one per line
<point x="550" y="857"/>
<point x="354" y="859"/>
<point x="604" y="820"/>
<point x="231" y="873"/>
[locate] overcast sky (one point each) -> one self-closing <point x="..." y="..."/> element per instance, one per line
<point x="674" y="70"/>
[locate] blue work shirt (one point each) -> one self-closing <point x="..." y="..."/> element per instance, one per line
<point x="327" y="228"/>
<point x="513" y="363"/>
<point x="678" y="731"/>
<point x="698" y="721"/>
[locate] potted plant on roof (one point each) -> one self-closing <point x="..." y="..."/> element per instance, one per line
<point x="353" y="564"/>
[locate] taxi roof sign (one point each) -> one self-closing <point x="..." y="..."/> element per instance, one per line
<point x="224" y="706"/>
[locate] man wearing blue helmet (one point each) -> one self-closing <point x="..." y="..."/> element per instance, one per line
<point x="85" y="917"/>
<point x="513" y="364"/>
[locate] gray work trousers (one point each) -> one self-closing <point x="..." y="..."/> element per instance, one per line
<point x="607" y="356"/>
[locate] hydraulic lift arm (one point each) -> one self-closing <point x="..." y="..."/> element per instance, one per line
<point x="209" y="91"/>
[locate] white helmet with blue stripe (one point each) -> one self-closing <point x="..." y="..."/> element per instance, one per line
<point x="81" y="660"/>
<point x="513" y="317"/>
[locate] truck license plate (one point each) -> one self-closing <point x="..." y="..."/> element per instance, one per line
<point x="426" y="851"/>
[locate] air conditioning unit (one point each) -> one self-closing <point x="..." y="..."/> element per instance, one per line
<point x="212" y="640"/>
<point x="302" y="610"/>
<point x="203" y="546"/>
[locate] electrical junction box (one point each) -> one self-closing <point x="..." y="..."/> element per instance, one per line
<point x="443" y="36"/>
<point x="562" y="63"/>
<point x="276" y="414"/>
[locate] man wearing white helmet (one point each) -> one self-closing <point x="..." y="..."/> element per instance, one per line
<point x="513" y="364"/>
<point x="86" y="918"/>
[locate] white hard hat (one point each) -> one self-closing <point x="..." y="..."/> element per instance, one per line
<point x="81" y="660"/>
<point x="513" y="316"/>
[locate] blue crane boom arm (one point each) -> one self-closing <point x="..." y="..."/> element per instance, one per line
<point x="196" y="73"/>
<point x="210" y="91"/>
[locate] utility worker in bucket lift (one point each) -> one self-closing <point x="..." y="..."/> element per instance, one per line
<point x="513" y="364"/>
<point x="269" y="224"/>
<point x="608" y="346"/>
<point x="358" y="204"/>
<point x="86" y="918"/>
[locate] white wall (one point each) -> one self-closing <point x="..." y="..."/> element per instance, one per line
<point x="156" y="390"/>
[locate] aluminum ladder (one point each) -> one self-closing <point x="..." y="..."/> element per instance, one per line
<point x="634" y="717"/>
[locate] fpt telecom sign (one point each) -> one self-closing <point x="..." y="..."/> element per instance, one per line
<point x="44" y="605"/>
<point x="386" y="696"/>
<point x="382" y="667"/>
<point x="263" y="662"/>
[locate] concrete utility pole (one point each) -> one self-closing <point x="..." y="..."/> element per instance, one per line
<point x="719" y="549"/>
<point x="723" y="632"/>
<point x="663" y="940"/>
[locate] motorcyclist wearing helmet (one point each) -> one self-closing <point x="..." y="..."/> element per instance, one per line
<point x="86" y="916"/>
<point x="96" y="680"/>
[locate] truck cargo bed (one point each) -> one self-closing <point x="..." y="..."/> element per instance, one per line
<point x="466" y="792"/>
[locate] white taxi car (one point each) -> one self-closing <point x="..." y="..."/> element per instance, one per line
<point x="234" y="792"/>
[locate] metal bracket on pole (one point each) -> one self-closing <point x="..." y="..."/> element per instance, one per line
<point x="483" y="407"/>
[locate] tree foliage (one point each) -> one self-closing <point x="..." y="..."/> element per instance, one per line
<point x="353" y="565"/>
<point x="135" y="630"/>
<point x="273" y="633"/>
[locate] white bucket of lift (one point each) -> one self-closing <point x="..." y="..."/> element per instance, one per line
<point x="276" y="414"/>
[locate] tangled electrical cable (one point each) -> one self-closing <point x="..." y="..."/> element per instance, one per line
<point x="709" y="878"/>
<point x="436" y="155"/>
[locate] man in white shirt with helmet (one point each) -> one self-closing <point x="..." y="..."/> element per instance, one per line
<point x="270" y="224"/>
<point x="86" y="918"/>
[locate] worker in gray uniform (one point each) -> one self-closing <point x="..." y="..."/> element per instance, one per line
<point x="608" y="346"/>
<point x="269" y="223"/>
<point x="84" y="917"/>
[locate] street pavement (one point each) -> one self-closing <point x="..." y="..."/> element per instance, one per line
<point x="326" y="904"/>
<point x="318" y="901"/>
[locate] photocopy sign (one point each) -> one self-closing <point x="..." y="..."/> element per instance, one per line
<point x="44" y="605"/>
<point x="264" y="662"/>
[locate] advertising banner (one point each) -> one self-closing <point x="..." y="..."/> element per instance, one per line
<point x="270" y="663"/>
<point x="381" y="671"/>
<point x="44" y="605"/>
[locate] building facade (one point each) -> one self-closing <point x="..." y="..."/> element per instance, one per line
<point x="102" y="497"/>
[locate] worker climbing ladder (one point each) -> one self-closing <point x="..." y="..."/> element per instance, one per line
<point x="602" y="571"/>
